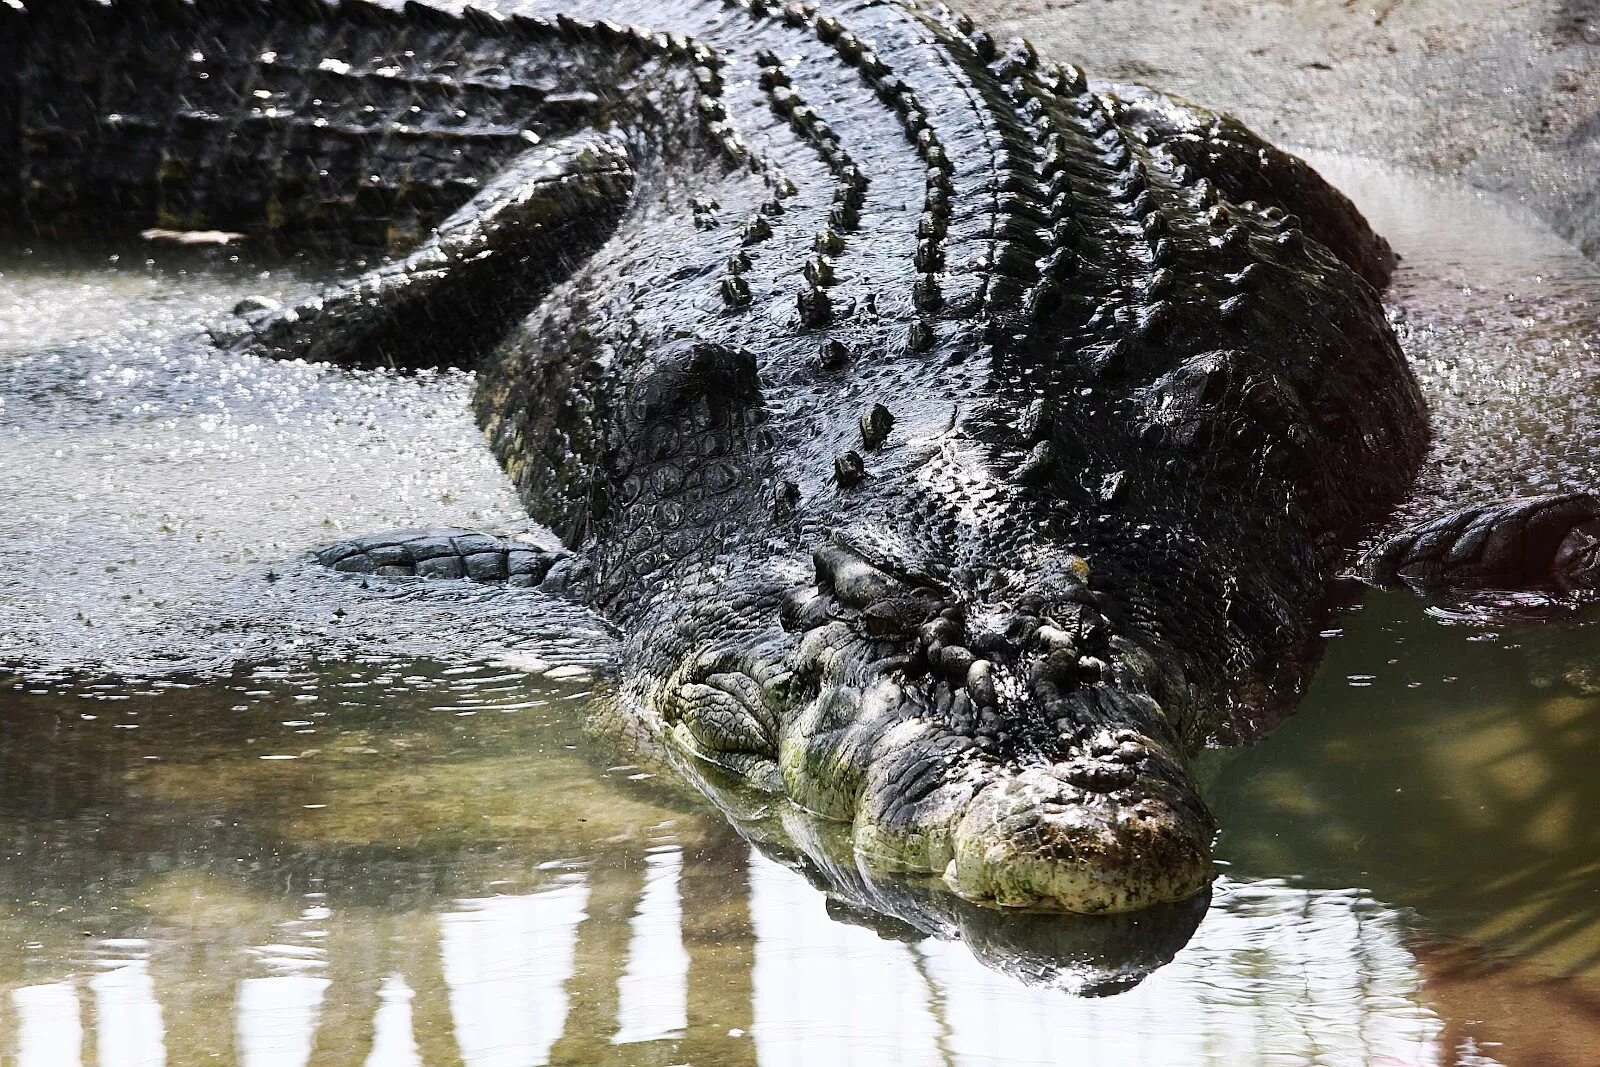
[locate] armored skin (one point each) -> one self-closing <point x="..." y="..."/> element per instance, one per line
<point x="958" y="446"/>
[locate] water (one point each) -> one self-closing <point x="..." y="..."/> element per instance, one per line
<point x="260" y="814"/>
<point x="420" y="860"/>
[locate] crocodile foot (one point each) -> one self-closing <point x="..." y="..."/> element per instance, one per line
<point x="464" y="554"/>
<point x="1537" y="544"/>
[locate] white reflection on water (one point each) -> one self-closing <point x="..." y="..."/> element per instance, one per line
<point x="827" y="992"/>
<point x="49" y="1029"/>
<point x="506" y="962"/>
<point x="1274" y="975"/>
<point x="277" y="1019"/>
<point x="653" y="996"/>
<point x="393" y="1042"/>
<point x="128" y="1029"/>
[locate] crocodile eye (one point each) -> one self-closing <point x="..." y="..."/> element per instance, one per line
<point x="881" y="620"/>
<point x="897" y="616"/>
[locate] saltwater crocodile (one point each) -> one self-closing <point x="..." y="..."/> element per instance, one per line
<point x="957" y="445"/>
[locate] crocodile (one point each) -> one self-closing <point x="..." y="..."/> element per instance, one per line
<point x="958" y="445"/>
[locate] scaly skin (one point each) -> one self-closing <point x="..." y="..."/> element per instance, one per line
<point x="958" y="447"/>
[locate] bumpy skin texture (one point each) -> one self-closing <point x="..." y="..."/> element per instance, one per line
<point x="955" y="445"/>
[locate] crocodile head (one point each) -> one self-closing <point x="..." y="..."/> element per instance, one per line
<point x="1085" y="955"/>
<point x="1000" y="735"/>
<point x="995" y="732"/>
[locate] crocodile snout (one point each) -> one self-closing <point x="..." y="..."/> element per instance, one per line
<point x="1051" y="838"/>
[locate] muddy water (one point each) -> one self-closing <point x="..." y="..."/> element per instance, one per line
<point x="253" y="813"/>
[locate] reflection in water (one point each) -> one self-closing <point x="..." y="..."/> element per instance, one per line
<point x="277" y="1018"/>
<point x="49" y="1030"/>
<point x="433" y="881"/>
<point x="651" y="996"/>
<point x="1269" y="975"/>
<point x="1444" y="767"/>
<point x="506" y="963"/>
<point x="393" y="1043"/>
<point x="128" y="1031"/>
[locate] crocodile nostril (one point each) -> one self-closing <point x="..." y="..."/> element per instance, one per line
<point x="993" y="646"/>
<point x="1096" y="776"/>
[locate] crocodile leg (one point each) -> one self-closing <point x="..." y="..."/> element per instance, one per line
<point x="442" y="554"/>
<point x="483" y="269"/>
<point x="1539" y="544"/>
